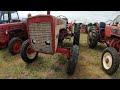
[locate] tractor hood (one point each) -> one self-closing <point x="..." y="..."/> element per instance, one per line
<point x="117" y="19"/>
<point x="5" y="12"/>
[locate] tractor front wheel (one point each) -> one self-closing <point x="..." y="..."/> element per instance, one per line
<point x="110" y="60"/>
<point x="27" y="54"/>
<point x="74" y="55"/>
<point x="14" y="45"/>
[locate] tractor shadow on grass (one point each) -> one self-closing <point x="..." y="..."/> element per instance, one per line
<point x="36" y="65"/>
<point x="100" y="48"/>
<point x="81" y="70"/>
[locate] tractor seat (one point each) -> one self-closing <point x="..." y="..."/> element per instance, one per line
<point x="102" y="25"/>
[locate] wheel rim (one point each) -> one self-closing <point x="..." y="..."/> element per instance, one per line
<point x="30" y="53"/>
<point x="16" y="46"/>
<point x="107" y="60"/>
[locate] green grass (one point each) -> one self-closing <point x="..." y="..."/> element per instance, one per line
<point x="54" y="66"/>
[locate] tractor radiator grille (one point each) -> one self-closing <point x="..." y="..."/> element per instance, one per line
<point x="40" y="33"/>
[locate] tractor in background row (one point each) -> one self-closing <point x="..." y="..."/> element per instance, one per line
<point x="12" y="31"/>
<point x="110" y="35"/>
<point x="91" y="26"/>
<point x="46" y="35"/>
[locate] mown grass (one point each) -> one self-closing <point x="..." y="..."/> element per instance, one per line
<point x="54" y="66"/>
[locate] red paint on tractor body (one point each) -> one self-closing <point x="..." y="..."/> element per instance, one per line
<point x="6" y="28"/>
<point x="16" y="46"/>
<point x="111" y="36"/>
<point x="64" y="51"/>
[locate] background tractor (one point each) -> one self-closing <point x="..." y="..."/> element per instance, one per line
<point x="91" y="26"/>
<point x="46" y="34"/>
<point x="12" y="31"/>
<point x="109" y="34"/>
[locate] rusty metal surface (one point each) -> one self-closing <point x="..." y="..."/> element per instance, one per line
<point x="41" y="32"/>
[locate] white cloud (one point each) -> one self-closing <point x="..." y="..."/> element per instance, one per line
<point x="79" y="16"/>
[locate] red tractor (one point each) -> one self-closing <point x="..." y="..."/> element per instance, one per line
<point x="12" y="31"/>
<point x="46" y="34"/>
<point x="109" y="34"/>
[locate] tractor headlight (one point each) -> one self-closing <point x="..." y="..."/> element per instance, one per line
<point x="33" y="41"/>
<point x="47" y="42"/>
<point x="6" y="32"/>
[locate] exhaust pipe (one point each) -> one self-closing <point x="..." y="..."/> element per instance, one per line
<point x="48" y="12"/>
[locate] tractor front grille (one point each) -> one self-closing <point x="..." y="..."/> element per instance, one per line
<point x="40" y="33"/>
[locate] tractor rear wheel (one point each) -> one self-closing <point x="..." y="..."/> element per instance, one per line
<point x="92" y="39"/>
<point x="14" y="45"/>
<point x="110" y="60"/>
<point x="74" y="53"/>
<point x="27" y="54"/>
<point x="89" y="29"/>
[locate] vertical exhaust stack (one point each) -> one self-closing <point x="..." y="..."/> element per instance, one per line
<point x="48" y="12"/>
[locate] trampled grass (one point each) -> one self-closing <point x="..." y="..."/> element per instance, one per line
<point x="54" y="66"/>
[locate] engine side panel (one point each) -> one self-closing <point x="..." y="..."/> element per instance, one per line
<point x="60" y="24"/>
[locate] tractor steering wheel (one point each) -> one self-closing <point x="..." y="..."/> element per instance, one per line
<point x="111" y="21"/>
<point x="61" y="16"/>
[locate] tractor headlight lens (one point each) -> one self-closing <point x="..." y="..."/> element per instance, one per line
<point x="33" y="41"/>
<point x="6" y="32"/>
<point x="47" y="42"/>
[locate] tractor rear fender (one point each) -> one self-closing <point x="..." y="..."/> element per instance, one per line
<point x="17" y="33"/>
<point x="108" y="31"/>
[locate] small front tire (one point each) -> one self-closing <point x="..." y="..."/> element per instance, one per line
<point x="27" y="54"/>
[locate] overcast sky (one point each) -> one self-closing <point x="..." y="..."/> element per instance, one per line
<point x="79" y="16"/>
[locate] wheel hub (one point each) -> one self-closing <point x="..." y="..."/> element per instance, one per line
<point x="30" y="53"/>
<point x="107" y="60"/>
<point x="17" y="46"/>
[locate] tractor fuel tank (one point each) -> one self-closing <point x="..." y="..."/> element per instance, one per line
<point x="112" y="30"/>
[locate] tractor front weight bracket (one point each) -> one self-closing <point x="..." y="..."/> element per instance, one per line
<point x="64" y="51"/>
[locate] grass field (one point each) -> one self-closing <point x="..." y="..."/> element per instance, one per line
<point x="54" y="66"/>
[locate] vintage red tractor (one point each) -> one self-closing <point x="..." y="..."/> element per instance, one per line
<point x="110" y="35"/>
<point x="12" y="31"/>
<point x="46" y="34"/>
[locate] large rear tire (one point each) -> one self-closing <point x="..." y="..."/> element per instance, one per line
<point x="92" y="38"/>
<point x="14" y="45"/>
<point x="110" y="60"/>
<point x="27" y="54"/>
